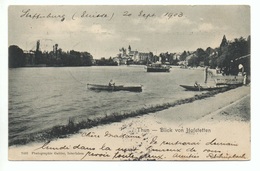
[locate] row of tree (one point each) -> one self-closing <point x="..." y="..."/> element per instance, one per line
<point x="57" y="57"/>
<point x="227" y="56"/>
<point x="105" y="62"/>
<point x="170" y="58"/>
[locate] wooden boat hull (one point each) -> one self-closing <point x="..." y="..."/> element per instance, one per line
<point x="229" y="80"/>
<point x="97" y="87"/>
<point x="151" y="69"/>
<point x="201" y="88"/>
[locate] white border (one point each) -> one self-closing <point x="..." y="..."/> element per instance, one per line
<point x="125" y="166"/>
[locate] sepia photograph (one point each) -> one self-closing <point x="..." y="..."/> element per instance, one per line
<point x="129" y="82"/>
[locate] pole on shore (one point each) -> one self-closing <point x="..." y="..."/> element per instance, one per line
<point x="206" y="74"/>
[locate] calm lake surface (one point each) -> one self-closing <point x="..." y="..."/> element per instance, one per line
<point x="40" y="98"/>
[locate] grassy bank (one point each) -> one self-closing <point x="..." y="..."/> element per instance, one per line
<point x="72" y="127"/>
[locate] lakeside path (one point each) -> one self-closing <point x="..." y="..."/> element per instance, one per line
<point x="215" y="128"/>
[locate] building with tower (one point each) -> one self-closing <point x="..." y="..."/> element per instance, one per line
<point x="128" y="55"/>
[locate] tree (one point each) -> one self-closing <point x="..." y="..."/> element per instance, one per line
<point x="229" y="52"/>
<point x="224" y="42"/>
<point x="202" y="56"/>
<point x="16" y="57"/>
<point x="221" y="59"/>
<point x="183" y="56"/>
<point x="193" y="61"/>
<point x="75" y="58"/>
<point x="164" y="57"/>
<point x="173" y="59"/>
<point x="236" y="49"/>
<point x="209" y="52"/>
<point x="213" y="56"/>
<point x="86" y="59"/>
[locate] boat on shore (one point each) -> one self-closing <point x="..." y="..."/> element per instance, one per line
<point x="98" y="87"/>
<point x="157" y="67"/>
<point x="229" y="80"/>
<point x="202" y="88"/>
<point x="220" y="82"/>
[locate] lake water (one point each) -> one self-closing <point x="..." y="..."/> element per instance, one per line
<point x="40" y="98"/>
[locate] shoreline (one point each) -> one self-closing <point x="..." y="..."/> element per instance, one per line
<point x="210" y="125"/>
<point x="177" y="127"/>
<point x="65" y="131"/>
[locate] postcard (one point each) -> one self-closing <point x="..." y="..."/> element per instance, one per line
<point x="129" y="82"/>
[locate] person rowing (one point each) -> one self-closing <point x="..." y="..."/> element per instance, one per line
<point x="111" y="83"/>
<point x="197" y="85"/>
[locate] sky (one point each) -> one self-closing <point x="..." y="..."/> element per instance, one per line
<point x="103" y="30"/>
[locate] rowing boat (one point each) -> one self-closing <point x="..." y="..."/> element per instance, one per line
<point x="98" y="87"/>
<point x="201" y="88"/>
